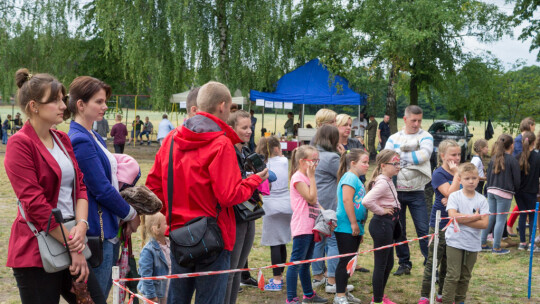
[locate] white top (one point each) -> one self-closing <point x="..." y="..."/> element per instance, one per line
<point x="479" y="165"/>
<point x="65" y="197"/>
<point x="467" y="238"/>
<point x="112" y="161"/>
<point x="278" y="202"/>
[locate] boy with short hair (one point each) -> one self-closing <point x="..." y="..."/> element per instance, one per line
<point x="462" y="247"/>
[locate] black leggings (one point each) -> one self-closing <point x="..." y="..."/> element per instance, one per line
<point x="381" y="229"/>
<point x="346" y="243"/>
<point x="525" y="201"/>
<point x="39" y="287"/>
<point x="278" y="255"/>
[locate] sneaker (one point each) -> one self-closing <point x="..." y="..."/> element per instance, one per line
<point x="403" y="269"/>
<point x="314" y="299"/>
<point x="500" y="251"/>
<point x="362" y="269"/>
<point x="331" y="288"/>
<point x="523" y="246"/>
<point x="317" y="283"/>
<point x="423" y="300"/>
<point x="537" y="239"/>
<point x="271" y="286"/>
<point x="340" y="300"/>
<point x="486" y="248"/>
<point x="535" y="250"/>
<point x="240" y="289"/>
<point x="293" y="301"/>
<point x="438" y="299"/>
<point x="386" y="300"/>
<point x="351" y="298"/>
<point x="251" y="282"/>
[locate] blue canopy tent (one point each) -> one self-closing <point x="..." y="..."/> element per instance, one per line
<point x="312" y="83"/>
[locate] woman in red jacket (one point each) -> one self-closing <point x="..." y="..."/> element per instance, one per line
<point x="42" y="177"/>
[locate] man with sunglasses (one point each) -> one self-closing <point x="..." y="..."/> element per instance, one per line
<point x="414" y="146"/>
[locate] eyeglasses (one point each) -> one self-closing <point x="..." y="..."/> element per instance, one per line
<point x="315" y="161"/>
<point x="394" y="164"/>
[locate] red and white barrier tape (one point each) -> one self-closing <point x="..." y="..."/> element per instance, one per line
<point x="350" y="266"/>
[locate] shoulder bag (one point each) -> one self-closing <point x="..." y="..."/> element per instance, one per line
<point x="199" y="241"/>
<point x="54" y="255"/>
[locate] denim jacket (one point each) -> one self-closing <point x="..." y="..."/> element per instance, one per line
<point x="152" y="263"/>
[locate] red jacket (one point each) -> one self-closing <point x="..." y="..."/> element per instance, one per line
<point x="35" y="177"/>
<point x="205" y="173"/>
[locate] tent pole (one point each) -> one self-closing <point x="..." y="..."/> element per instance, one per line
<point x="303" y="115"/>
<point x="262" y="127"/>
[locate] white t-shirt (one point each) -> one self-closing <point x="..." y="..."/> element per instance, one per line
<point x="65" y="196"/>
<point x="112" y="161"/>
<point x="467" y="238"/>
<point x="361" y="125"/>
<point x="477" y="161"/>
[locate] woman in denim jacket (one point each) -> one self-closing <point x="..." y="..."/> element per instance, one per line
<point x="155" y="259"/>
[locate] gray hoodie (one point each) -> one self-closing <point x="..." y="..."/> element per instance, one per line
<point x="326" y="178"/>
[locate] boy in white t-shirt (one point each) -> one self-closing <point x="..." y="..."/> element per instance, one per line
<point x="462" y="247"/>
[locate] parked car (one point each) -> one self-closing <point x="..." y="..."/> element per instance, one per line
<point x="447" y="129"/>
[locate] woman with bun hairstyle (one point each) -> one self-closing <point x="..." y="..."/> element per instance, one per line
<point x="42" y="169"/>
<point x="106" y="208"/>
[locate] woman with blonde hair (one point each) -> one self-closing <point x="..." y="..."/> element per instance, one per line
<point x="325" y="117"/>
<point x="344" y="123"/>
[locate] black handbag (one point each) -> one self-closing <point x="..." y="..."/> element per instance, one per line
<point x="95" y="244"/>
<point x="249" y="210"/>
<point x="200" y="240"/>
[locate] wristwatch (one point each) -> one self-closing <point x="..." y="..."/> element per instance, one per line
<point x="86" y="222"/>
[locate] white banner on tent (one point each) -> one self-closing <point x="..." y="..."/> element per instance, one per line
<point x="259" y="102"/>
<point x="183" y="105"/>
<point x="278" y="105"/>
<point x="288" y="105"/>
<point x="268" y="104"/>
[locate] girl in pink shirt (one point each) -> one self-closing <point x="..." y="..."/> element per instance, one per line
<point x="384" y="226"/>
<point x="305" y="210"/>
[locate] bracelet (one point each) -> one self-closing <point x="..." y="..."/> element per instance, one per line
<point x="86" y="222"/>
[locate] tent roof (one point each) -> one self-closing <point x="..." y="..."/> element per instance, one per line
<point x="310" y="84"/>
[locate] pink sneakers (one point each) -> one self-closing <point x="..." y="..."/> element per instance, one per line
<point x="386" y="300"/>
<point x="423" y="301"/>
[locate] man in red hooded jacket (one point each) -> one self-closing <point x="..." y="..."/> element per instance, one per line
<point x="205" y="173"/>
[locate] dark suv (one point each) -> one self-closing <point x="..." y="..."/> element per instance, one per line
<point x="447" y="129"/>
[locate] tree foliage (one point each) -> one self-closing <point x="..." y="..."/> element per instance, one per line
<point x="524" y="10"/>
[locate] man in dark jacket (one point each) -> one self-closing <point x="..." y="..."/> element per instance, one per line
<point x="205" y="174"/>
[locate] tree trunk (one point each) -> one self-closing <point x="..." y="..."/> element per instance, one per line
<point x="413" y="90"/>
<point x="221" y="14"/>
<point x="391" y="105"/>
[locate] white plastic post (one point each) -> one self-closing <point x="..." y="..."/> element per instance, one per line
<point x="434" y="264"/>
<point x="116" y="289"/>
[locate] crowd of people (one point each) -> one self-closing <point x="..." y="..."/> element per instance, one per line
<point x="214" y="188"/>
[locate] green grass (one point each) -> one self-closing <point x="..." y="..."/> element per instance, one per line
<point x="496" y="279"/>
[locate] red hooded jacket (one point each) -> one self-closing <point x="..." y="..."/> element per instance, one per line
<point x="205" y="173"/>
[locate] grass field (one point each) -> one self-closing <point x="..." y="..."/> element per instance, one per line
<point x="496" y="279"/>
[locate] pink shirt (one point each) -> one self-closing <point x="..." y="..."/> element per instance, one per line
<point x="304" y="215"/>
<point x="379" y="197"/>
<point x="501" y="193"/>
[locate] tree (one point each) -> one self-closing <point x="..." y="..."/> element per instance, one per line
<point x="524" y="10"/>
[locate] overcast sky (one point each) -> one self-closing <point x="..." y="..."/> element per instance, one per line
<point x="508" y="49"/>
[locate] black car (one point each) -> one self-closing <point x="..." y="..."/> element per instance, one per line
<point x="447" y="129"/>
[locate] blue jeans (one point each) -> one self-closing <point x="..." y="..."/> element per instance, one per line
<point x="104" y="271"/>
<point x="302" y="249"/>
<point x="327" y="246"/>
<point x="496" y="204"/>
<point x="4" y="136"/>
<point x="415" y="200"/>
<point x="210" y="289"/>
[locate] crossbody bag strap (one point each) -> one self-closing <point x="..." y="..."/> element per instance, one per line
<point x="395" y="198"/>
<point x="170" y="183"/>
<point x="32" y="227"/>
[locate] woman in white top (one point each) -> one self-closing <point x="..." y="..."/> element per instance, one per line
<point x="276" y="231"/>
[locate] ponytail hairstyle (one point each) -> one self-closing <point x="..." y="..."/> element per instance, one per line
<point x="35" y="87"/>
<point x="267" y="145"/>
<point x="299" y="153"/>
<point x="151" y="224"/>
<point x="382" y="158"/>
<point x="527" y="140"/>
<point x="443" y="147"/>
<point x="479" y="145"/>
<point x="346" y="159"/>
<point x="503" y="143"/>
